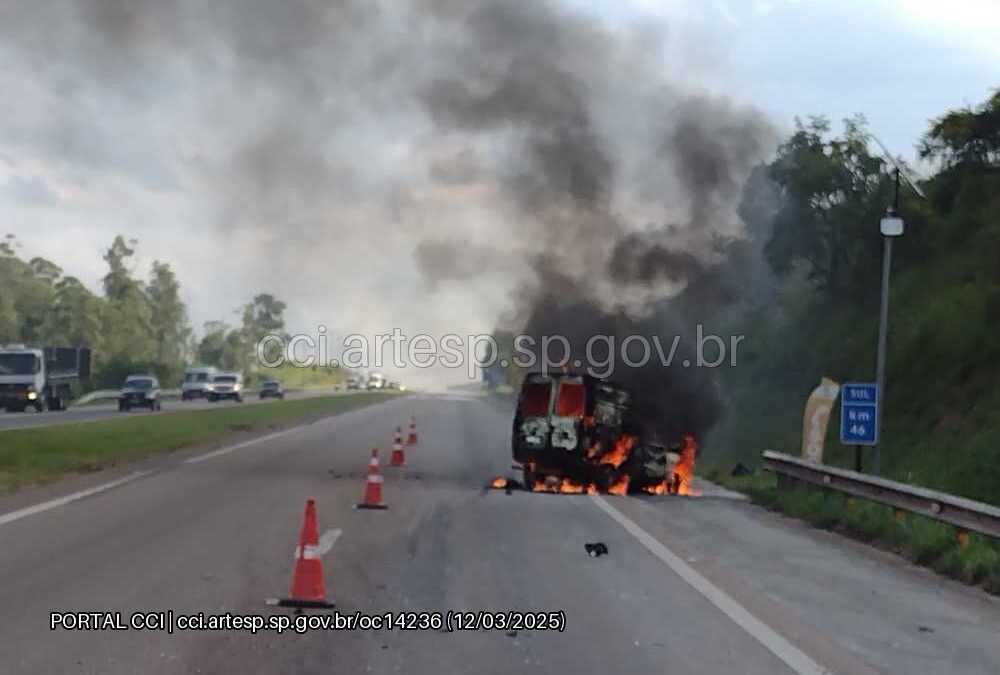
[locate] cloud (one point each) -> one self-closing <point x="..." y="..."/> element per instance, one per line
<point x="28" y="190"/>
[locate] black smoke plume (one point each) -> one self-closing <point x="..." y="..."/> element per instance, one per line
<point x="525" y="143"/>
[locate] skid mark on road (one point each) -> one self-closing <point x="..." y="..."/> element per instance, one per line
<point x="792" y="656"/>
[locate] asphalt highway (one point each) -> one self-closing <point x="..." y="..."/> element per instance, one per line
<point x="689" y="585"/>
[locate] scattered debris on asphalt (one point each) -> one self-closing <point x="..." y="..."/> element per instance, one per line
<point x="596" y="549"/>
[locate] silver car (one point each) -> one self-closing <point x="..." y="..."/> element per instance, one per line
<point x="226" y="385"/>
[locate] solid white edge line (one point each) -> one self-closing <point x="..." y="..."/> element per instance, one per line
<point x="241" y="445"/>
<point x="54" y="503"/>
<point x="791" y="655"/>
<point x="254" y="441"/>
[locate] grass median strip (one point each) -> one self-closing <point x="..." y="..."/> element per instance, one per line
<point x="39" y="455"/>
<point x="923" y="541"/>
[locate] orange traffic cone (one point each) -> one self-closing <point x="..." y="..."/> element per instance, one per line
<point x="398" y="458"/>
<point x="373" y="486"/>
<point x="307" y="578"/>
<point x="412" y="438"/>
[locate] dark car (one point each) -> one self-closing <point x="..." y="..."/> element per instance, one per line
<point x="581" y="428"/>
<point x="271" y="389"/>
<point x="139" y="391"/>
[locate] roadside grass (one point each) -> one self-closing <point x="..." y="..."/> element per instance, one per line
<point x="921" y="540"/>
<point x="39" y="455"/>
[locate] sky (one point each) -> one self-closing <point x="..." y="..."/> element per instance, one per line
<point x="107" y="134"/>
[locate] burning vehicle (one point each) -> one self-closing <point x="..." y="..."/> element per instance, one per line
<point x="577" y="433"/>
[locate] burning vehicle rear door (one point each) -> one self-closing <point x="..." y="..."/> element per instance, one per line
<point x="568" y="410"/>
<point x="610" y="406"/>
<point x="531" y="423"/>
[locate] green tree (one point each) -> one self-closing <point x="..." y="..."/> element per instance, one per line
<point x="831" y="191"/>
<point x="264" y="315"/>
<point x="968" y="137"/>
<point x="212" y="346"/>
<point x="10" y="327"/>
<point x="75" y="315"/>
<point x="127" y="321"/>
<point x="26" y="290"/>
<point x="168" y="318"/>
<point x="966" y="142"/>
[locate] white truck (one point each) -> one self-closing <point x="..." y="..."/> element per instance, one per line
<point x="197" y="382"/>
<point x="40" y="378"/>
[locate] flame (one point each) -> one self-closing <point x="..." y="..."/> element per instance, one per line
<point x="498" y="483"/>
<point x="617" y="455"/>
<point x="683" y="471"/>
<point x="620" y="488"/>
<point x="565" y="486"/>
<point x="679" y="482"/>
<point x="658" y="489"/>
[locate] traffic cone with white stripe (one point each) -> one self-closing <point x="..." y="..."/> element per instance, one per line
<point x="307" y="578"/>
<point x="398" y="458"/>
<point x="373" y="486"/>
<point x="412" y="438"/>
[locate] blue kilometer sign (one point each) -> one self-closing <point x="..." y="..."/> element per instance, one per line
<point x="859" y="413"/>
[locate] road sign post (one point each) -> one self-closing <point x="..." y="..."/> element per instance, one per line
<point x="859" y="413"/>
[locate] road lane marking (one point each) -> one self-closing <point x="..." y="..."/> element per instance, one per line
<point x="326" y="542"/>
<point x="245" y="444"/>
<point x="791" y="655"/>
<point x="61" y="501"/>
<point x="277" y="434"/>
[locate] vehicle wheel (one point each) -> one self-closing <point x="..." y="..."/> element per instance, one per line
<point x="126" y="407"/>
<point x="159" y="407"/>
<point x="281" y="397"/>
<point x="39" y="407"/>
<point x="239" y="399"/>
<point x="607" y="477"/>
<point x="212" y="399"/>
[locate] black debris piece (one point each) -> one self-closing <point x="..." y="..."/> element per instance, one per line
<point x="596" y="549"/>
<point x="739" y="470"/>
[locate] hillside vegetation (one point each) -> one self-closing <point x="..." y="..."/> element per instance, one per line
<point x="942" y="415"/>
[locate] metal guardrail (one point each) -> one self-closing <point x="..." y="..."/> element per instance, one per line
<point x="966" y="514"/>
<point x="103" y="394"/>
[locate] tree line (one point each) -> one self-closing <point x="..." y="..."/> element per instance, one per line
<point x="133" y="325"/>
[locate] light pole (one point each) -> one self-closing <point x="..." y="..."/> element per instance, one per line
<point x="891" y="226"/>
